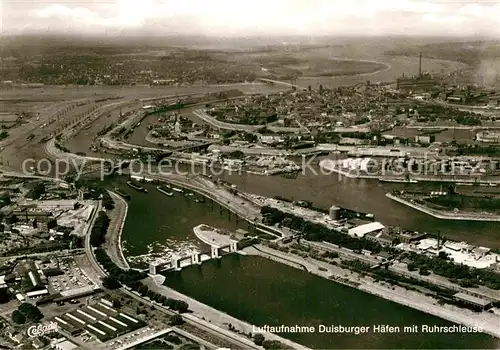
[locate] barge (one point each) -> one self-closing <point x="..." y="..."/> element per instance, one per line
<point x="164" y="190"/>
<point x="137" y="187"/>
<point x="399" y="181"/>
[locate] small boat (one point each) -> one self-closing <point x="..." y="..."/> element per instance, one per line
<point x="190" y="194"/>
<point x="491" y="184"/>
<point x="180" y="190"/>
<point x="465" y="184"/>
<point x="164" y="190"/>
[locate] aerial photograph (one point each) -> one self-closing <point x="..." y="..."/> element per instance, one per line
<point x="279" y="174"/>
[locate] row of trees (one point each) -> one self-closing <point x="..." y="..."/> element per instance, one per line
<point x="98" y="233"/>
<point x="174" y="304"/>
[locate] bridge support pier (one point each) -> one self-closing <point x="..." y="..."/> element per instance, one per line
<point x="233" y="246"/>
<point x="196" y="258"/>
<point x="176" y="264"/>
<point x="215" y="252"/>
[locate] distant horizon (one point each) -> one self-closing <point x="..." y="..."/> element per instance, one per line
<point x="256" y="18"/>
<point x="291" y="39"/>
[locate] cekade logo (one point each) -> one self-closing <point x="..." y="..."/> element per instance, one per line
<point x="41" y="329"/>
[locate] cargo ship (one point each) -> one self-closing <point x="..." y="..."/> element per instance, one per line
<point x="136" y="187"/>
<point x="165" y="190"/>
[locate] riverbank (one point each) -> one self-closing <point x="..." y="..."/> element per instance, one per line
<point x="485" y="320"/>
<point x="439" y="214"/>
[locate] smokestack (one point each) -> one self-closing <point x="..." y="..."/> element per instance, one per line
<point x="420" y="64"/>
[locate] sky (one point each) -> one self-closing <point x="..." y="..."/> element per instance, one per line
<point x="252" y="17"/>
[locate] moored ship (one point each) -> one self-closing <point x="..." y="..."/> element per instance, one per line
<point x="136" y="186"/>
<point x="165" y="190"/>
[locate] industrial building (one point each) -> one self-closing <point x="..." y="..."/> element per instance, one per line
<point x="100" y="320"/>
<point x="65" y="345"/>
<point x="478" y="303"/>
<point x="423" y="82"/>
<point x="362" y="230"/>
<point x="488" y="137"/>
<point x="458" y="252"/>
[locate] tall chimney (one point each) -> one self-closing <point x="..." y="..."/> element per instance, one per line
<point x="420" y="64"/>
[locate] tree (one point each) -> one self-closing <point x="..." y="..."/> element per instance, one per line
<point x="11" y="220"/>
<point x="443" y="255"/>
<point x="176" y="320"/>
<point x="31" y="312"/>
<point x="4" y="295"/>
<point x="52" y="223"/>
<point x="258" y="339"/>
<point x="273" y="344"/>
<point x="18" y="317"/>
<point x="182" y="306"/>
<point x="143" y="290"/>
<point x="111" y="282"/>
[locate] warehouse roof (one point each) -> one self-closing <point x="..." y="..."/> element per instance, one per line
<point x="472" y="299"/>
<point x="362" y="230"/>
